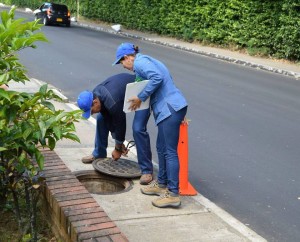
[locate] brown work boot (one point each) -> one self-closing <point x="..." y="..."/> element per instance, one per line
<point x="146" y="179"/>
<point x="168" y="199"/>
<point x="88" y="159"/>
<point x="154" y="189"/>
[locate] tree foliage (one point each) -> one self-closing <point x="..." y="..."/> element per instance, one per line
<point x="28" y="123"/>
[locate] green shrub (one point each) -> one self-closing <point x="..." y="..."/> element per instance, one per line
<point x="28" y="123"/>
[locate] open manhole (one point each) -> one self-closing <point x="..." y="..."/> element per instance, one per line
<point x="98" y="183"/>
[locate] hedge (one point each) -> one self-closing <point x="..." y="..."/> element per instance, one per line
<point x="270" y="27"/>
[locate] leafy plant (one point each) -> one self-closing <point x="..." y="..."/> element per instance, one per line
<point x="28" y="124"/>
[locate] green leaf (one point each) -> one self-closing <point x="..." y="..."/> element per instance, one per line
<point x="39" y="159"/>
<point x="43" y="89"/>
<point x="4" y="78"/>
<point x="72" y="137"/>
<point x="49" y="122"/>
<point x="4" y="94"/>
<point x="61" y="115"/>
<point x="57" y="132"/>
<point x="48" y="105"/>
<point x="51" y="143"/>
<point x="26" y="133"/>
<point x="43" y="128"/>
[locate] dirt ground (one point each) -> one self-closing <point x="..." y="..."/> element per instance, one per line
<point x="9" y="229"/>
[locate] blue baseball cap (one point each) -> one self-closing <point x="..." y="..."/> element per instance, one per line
<point x="123" y="49"/>
<point x="85" y="102"/>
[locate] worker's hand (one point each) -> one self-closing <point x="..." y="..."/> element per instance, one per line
<point x="119" y="151"/>
<point x="185" y="121"/>
<point x="116" y="155"/>
<point x="4" y="86"/>
<point x="135" y="103"/>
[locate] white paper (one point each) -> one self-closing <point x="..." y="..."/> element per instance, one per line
<point x="133" y="89"/>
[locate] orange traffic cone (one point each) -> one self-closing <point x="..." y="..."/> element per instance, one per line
<point x="185" y="188"/>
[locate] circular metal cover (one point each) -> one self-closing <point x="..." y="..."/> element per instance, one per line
<point x="120" y="168"/>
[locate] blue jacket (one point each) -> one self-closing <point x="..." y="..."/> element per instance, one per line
<point x="111" y="94"/>
<point x="160" y="88"/>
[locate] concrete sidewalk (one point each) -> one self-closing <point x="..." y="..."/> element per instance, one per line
<point x="197" y="219"/>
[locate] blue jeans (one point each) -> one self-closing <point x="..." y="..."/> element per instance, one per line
<point x="166" y="146"/>
<point x="140" y="135"/>
<point x="142" y="140"/>
<point x="101" y="138"/>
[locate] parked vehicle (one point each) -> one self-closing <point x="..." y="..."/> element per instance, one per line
<point x="53" y="13"/>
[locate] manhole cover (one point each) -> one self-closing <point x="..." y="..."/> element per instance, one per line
<point x="120" y="168"/>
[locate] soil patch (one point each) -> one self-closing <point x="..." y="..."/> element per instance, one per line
<point x="9" y="228"/>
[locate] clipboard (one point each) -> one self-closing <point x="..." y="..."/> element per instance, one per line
<point x="133" y="89"/>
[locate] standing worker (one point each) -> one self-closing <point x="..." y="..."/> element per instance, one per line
<point x="169" y="109"/>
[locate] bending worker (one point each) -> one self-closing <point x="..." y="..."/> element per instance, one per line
<point x="107" y="99"/>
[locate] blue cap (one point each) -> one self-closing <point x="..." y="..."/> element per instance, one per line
<point x="124" y="49"/>
<point x="85" y="102"/>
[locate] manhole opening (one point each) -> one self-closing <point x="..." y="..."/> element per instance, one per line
<point x="98" y="183"/>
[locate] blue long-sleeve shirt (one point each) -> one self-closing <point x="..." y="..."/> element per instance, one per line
<point x="111" y="93"/>
<point x="160" y="88"/>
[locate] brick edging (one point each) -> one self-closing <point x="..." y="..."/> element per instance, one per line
<point x="74" y="213"/>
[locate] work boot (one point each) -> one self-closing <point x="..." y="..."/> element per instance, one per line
<point x="88" y="159"/>
<point x="154" y="189"/>
<point x="146" y="179"/>
<point x="168" y="199"/>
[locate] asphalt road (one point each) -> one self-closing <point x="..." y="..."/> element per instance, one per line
<point x="244" y="134"/>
